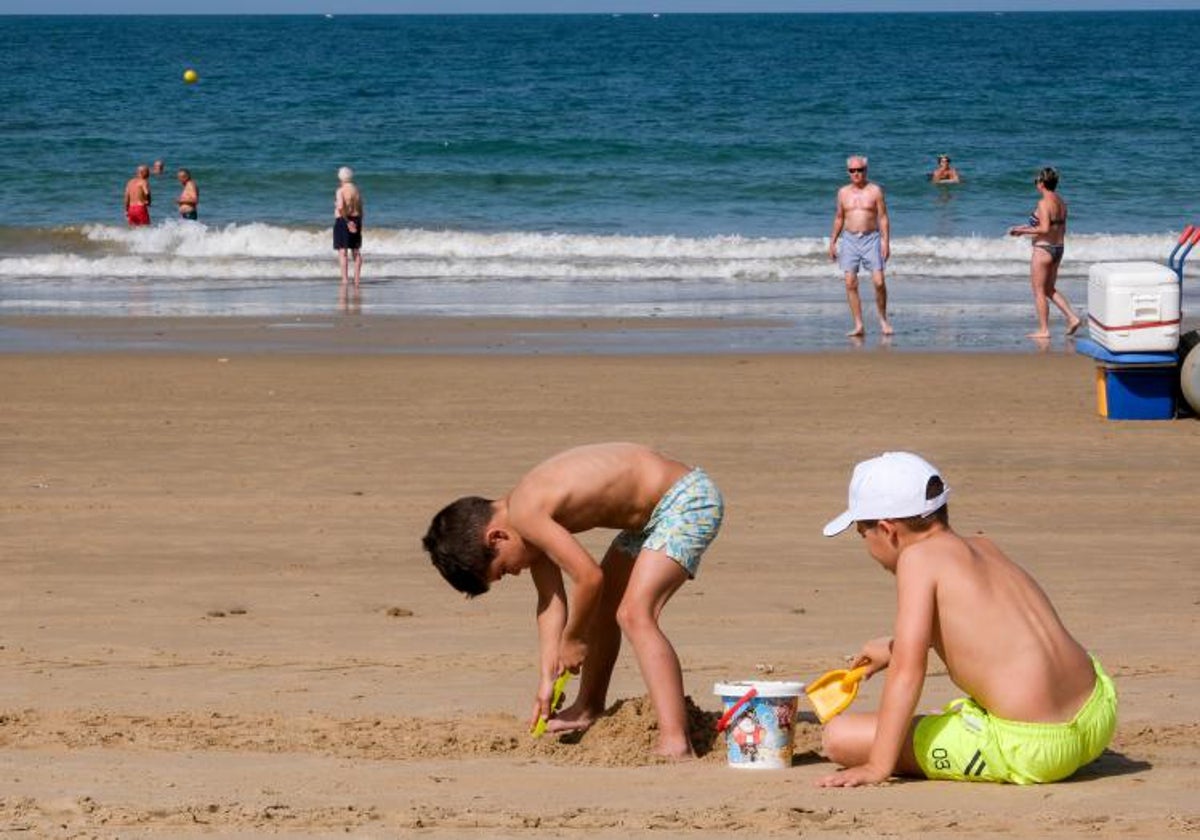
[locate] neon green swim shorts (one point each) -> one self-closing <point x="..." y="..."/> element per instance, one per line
<point x="965" y="743"/>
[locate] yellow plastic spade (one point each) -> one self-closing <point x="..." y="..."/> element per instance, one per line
<point x="556" y="699"/>
<point x="831" y="693"/>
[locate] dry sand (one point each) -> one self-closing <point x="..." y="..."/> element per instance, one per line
<point x="217" y="620"/>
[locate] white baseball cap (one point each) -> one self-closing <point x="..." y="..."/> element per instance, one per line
<point x="891" y="486"/>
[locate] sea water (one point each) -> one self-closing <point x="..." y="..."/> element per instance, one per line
<point x="584" y="165"/>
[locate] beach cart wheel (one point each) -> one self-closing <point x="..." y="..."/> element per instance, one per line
<point x="1189" y="368"/>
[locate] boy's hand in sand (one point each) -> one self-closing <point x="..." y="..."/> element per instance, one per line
<point x="855" y="777"/>
<point x="541" y="707"/>
<point x="541" y="703"/>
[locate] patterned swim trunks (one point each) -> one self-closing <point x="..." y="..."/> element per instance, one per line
<point x="684" y="522"/>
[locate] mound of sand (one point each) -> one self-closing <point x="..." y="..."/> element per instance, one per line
<point x="623" y="737"/>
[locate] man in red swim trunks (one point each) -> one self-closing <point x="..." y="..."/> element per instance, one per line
<point x="137" y="197"/>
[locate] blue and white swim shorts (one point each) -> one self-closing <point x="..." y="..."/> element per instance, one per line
<point x="860" y="249"/>
<point x="684" y="522"/>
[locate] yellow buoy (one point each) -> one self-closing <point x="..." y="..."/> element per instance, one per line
<point x="190" y="76"/>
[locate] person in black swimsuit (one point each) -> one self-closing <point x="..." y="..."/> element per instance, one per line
<point x="348" y="226"/>
<point x="1048" y="227"/>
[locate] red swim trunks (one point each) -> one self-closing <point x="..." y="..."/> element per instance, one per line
<point x="138" y="215"/>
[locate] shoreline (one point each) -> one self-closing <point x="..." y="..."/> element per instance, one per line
<point x="374" y="334"/>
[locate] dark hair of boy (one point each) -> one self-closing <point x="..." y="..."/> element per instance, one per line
<point x="455" y="542"/>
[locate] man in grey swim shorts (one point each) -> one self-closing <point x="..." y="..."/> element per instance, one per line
<point x="862" y="216"/>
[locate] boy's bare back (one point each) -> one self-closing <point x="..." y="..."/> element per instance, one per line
<point x="994" y="627"/>
<point x="607" y="485"/>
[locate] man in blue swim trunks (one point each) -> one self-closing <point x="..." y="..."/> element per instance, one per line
<point x="667" y="513"/>
<point x="862" y="216"/>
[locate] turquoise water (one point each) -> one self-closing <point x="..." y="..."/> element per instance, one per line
<point x="582" y="162"/>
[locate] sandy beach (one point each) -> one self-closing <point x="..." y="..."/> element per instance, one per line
<point x="218" y="621"/>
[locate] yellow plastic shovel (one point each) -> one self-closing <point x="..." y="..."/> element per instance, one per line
<point x="556" y="700"/>
<point x="832" y="692"/>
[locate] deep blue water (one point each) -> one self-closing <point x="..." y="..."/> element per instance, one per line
<point x="691" y="125"/>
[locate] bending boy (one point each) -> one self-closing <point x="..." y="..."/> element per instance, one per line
<point x="1039" y="707"/>
<point x="667" y="513"/>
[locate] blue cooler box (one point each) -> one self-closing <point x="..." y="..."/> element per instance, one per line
<point x="1133" y="386"/>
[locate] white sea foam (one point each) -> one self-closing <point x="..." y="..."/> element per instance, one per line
<point x="184" y="251"/>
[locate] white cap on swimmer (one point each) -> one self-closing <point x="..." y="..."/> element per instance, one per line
<point x="345" y="174"/>
<point x="891" y="486"/>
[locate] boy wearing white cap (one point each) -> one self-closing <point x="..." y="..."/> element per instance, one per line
<point x="1039" y="707"/>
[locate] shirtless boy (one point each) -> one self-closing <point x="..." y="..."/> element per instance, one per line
<point x="667" y="513"/>
<point x="189" y="195"/>
<point x="1039" y="706"/>
<point x="137" y="198"/>
<point x="862" y="215"/>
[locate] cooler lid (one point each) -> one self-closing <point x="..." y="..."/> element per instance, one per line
<point x="1133" y="273"/>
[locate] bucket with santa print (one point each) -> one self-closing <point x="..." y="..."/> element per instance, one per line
<point x="759" y="722"/>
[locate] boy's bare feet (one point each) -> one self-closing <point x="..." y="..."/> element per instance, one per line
<point x="1073" y="326"/>
<point x="573" y="719"/>
<point x="675" y="752"/>
<point x="1037" y="335"/>
<point x="678" y="759"/>
<point x="856" y="332"/>
<point x="886" y="327"/>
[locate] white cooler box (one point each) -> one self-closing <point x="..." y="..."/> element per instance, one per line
<point x="1133" y="307"/>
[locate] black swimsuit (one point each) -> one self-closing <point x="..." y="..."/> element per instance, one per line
<point x="1055" y="251"/>
<point x="343" y="237"/>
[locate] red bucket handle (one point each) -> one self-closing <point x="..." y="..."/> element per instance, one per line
<point x="1196" y="237"/>
<point x="1187" y="231"/>
<point x="732" y="710"/>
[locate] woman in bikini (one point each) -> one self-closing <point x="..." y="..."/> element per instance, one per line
<point x="1048" y="227"/>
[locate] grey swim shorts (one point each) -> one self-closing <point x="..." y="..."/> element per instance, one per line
<point x="860" y="249"/>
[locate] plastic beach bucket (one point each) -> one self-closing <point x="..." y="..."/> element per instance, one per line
<point x="761" y="732"/>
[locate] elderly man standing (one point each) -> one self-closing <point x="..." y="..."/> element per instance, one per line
<point x="137" y="198"/>
<point x="862" y="216"/>
<point x="347" y="225"/>
<point x="189" y="195"/>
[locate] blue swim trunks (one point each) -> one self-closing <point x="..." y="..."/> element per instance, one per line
<point x="860" y="249"/>
<point x="684" y="522"/>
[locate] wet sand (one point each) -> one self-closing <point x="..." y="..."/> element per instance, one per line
<point x="217" y="619"/>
